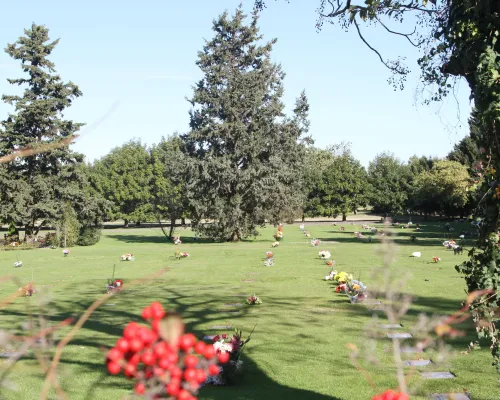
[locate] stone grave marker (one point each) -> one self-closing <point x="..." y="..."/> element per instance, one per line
<point x="450" y="396"/>
<point x="411" y="350"/>
<point x="417" y="363"/>
<point x="399" y="335"/>
<point x="437" y="375"/>
<point x="220" y="327"/>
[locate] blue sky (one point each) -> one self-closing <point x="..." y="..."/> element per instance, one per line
<point x="135" y="63"/>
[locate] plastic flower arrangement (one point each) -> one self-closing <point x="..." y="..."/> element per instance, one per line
<point x="163" y="360"/>
<point x="331" y="275"/>
<point x="231" y="347"/>
<point x="301" y="227"/>
<point x="356" y="291"/>
<point x="18" y="264"/>
<point x="278" y="235"/>
<point x="269" y="254"/>
<point x="127" y="257"/>
<point x="66" y="252"/>
<point x="28" y="289"/>
<point x="330" y="263"/>
<point x="436" y="259"/>
<point x="184" y="255"/>
<point x="307" y="234"/>
<point x="340" y="288"/>
<point x="342" y="277"/>
<point x="114" y="286"/>
<point x="324" y="254"/>
<point x="315" y="242"/>
<point x="253" y="300"/>
<point x="275" y="244"/>
<point x="177" y="240"/>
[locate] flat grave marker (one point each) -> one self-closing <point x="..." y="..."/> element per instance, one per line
<point x="450" y="396"/>
<point x="417" y="363"/>
<point x="437" y="375"/>
<point x="399" y="335"/>
<point x="233" y="305"/>
<point x="209" y="337"/>
<point x="221" y="327"/>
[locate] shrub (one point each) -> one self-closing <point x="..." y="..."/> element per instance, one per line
<point x="68" y="227"/>
<point x="89" y="235"/>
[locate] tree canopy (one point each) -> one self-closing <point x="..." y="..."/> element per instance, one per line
<point x="245" y="155"/>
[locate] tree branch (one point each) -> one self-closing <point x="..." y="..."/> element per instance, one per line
<point x="406" y="35"/>
<point x="395" y="69"/>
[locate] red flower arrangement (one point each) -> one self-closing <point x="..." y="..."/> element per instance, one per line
<point x="164" y="362"/>
<point x="391" y="395"/>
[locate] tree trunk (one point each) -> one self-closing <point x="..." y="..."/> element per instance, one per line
<point x="125" y="223"/>
<point x="183" y="221"/>
<point x="172" y="227"/>
<point x="235" y="236"/>
<point x="138" y="223"/>
<point x="303" y="218"/>
<point x="344" y="217"/>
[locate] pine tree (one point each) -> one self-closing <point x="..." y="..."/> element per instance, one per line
<point x="245" y="155"/>
<point x="39" y="184"/>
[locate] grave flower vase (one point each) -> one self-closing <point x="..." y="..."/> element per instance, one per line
<point x="232" y="372"/>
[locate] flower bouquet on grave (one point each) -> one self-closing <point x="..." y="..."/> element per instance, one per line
<point x="269" y="259"/>
<point x="127" y="257"/>
<point x="278" y="236"/>
<point x="177" y="240"/>
<point x="114" y="285"/>
<point x="331" y="275"/>
<point x="231" y="371"/>
<point x="324" y="255"/>
<point x="436" y="259"/>
<point x="330" y="263"/>
<point x="275" y="244"/>
<point x="28" y="290"/>
<point x="254" y="300"/>
<point x="356" y="291"/>
<point x="315" y="242"/>
<point x="180" y="254"/>
<point x="307" y="234"/>
<point x="66" y="252"/>
<point x="302" y="227"/>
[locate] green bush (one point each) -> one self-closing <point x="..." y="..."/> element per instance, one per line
<point x="89" y="235"/>
<point x="68" y="227"/>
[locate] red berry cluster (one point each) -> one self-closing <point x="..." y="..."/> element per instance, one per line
<point x="162" y="368"/>
<point x="391" y="395"/>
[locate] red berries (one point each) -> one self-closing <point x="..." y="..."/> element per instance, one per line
<point x="177" y="367"/>
<point x="213" y="369"/>
<point x="223" y="357"/>
<point x="122" y="345"/>
<point x="391" y="395"/>
<point x="140" y="388"/>
<point x="113" y="368"/>
<point x="209" y="352"/>
<point x="190" y="361"/>
<point x="187" y="341"/>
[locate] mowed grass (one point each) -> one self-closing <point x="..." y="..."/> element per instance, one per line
<point x="298" y="349"/>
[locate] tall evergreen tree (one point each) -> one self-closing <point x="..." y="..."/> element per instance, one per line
<point x="245" y="155"/>
<point x="38" y="185"/>
<point x="389" y="178"/>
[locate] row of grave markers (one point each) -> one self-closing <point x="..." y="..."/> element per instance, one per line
<point x="378" y="306"/>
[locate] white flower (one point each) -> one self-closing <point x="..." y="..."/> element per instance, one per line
<point x="462" y="236"/>
<point x="18" y="263"/>
<point x="416" y="254"/>
<point x="223" y="347"/>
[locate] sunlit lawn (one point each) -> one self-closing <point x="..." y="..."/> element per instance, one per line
<point x="298" y="350"/>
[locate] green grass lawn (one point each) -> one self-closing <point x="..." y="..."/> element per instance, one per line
<point x="298" y="349"/>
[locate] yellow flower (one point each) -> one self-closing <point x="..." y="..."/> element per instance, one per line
<point x="356" y="287"/>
